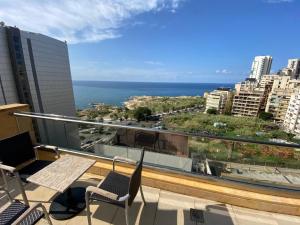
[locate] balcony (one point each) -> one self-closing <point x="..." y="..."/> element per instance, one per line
<point x="162" y="208"/>
<point x="181" y="171"/>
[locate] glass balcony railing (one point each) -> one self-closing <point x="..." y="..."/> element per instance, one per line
<point x="269" y="164"/>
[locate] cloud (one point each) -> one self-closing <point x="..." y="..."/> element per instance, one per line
<point x="78" y="20"/>
<point x="138" y="72"/>
<point x="148" y="75"/>
<point x="278" y="1"/>
<point x="223" y="71"/>
<point x="125" y="74"/>
<point x="154" y="63"/>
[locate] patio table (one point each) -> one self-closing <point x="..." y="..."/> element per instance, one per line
<point x="59" y="176"/>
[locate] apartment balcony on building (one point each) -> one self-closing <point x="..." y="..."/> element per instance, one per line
<point x="186" y="178"/>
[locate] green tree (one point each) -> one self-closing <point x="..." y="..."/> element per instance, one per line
<point x="141" y="113"/>
<point x="165" y="108"/>
<point x="266" y="116"/>
<point x="114" y="116"/>
<point x="212" y="111"/>
<point x="228" y="105"/>
<point x="92" y="115"/>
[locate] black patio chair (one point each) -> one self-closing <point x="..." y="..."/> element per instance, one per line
<point x="17" y="212"/>
<point x="117" y="189"/>
<point x="19" y="153"/>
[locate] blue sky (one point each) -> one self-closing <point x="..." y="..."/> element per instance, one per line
<point x="165" y="40"/>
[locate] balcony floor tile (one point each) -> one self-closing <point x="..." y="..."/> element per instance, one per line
<point x="284" y="219"/>
<point x="215" y="212"/>
<point x="253" y="217"/>
<point x="174" y="209"/>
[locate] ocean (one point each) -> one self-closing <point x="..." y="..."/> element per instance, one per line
<point x="116" y="92"/>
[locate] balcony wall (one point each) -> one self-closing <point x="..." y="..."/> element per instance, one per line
<point x="10" y="125"/>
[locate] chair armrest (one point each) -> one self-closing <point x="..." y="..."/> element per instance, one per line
<point x="107" y="194"/>
<point x="99" y="191"/>
<point x="7" y="168"/>
<point x="29" y="210"/>
<point x="124" y="198"/>
<point x="122" y="159"/>
<point x="6" y="192"/>
<point x="51" y="147"/>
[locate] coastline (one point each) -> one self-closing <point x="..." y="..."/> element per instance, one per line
<point x="118" y="92"/>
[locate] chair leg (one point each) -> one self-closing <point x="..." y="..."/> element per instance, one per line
<point x="21" y="187"/>
<point x="126" y="213"/>
<point x="88" y="211"/>
<point x="46" y="214"/>
<point x="142" y="194"/>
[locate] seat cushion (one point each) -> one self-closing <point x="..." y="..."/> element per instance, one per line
<point x="115" y="183"/>
<point x="32" y="168"/>
<point x="33" y="217"/>
<point x="15" y="210"/>
<point x="12" y="212"/>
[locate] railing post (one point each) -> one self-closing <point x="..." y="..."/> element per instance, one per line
<point x="17" y="122"/>
<point x="66" y="134"/>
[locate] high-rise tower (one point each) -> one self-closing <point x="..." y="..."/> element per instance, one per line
<point x="35" y="70"/>
<point x="261" y="65"/>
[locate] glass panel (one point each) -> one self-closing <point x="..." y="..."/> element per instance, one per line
<point x="250" y="161"/>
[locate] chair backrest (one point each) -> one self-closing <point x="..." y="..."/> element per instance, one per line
<point x="16" y="150"/>
<point x="135" y="180"/>
<point x="17" y="185"/>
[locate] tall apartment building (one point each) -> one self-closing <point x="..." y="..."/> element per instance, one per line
<point x="217" y="99"/>
<point x="279" y="97"/>
<point x="35" y="69"/>
<point x="248" y="103"/>
<point x="294" y="66"/>
<point x="248" y="84"/>
<point x="249" y="99"/>
<point x="292" y="69"/>
<point x="261" y="65"/>
<point x="285" y="72"/>
<point x="267" y="80"/>
<point x="291" y="122"/>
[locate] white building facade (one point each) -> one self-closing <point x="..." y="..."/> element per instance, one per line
<point x="261" y="65"/>
<point x="292" y="118"/>
<point x="279" y="97"/>
<point x="217" y="99"/>
<point x="35" y="70"/>
<point x="294" y="66"/>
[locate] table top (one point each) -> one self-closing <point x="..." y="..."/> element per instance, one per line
<point x="60" y="174"/>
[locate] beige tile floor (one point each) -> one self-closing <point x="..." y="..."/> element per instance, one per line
<point x="162" y="208"/>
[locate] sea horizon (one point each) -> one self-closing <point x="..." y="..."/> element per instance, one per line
<point x="117" y="92"/>
<point x="171" y="82"/>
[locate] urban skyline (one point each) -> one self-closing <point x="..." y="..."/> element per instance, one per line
<point x="267" y="96"/>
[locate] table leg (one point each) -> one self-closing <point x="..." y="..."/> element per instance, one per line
<point x="68" y="204"/>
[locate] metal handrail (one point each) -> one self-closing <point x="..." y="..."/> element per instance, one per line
<point x="70" y="119"/>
